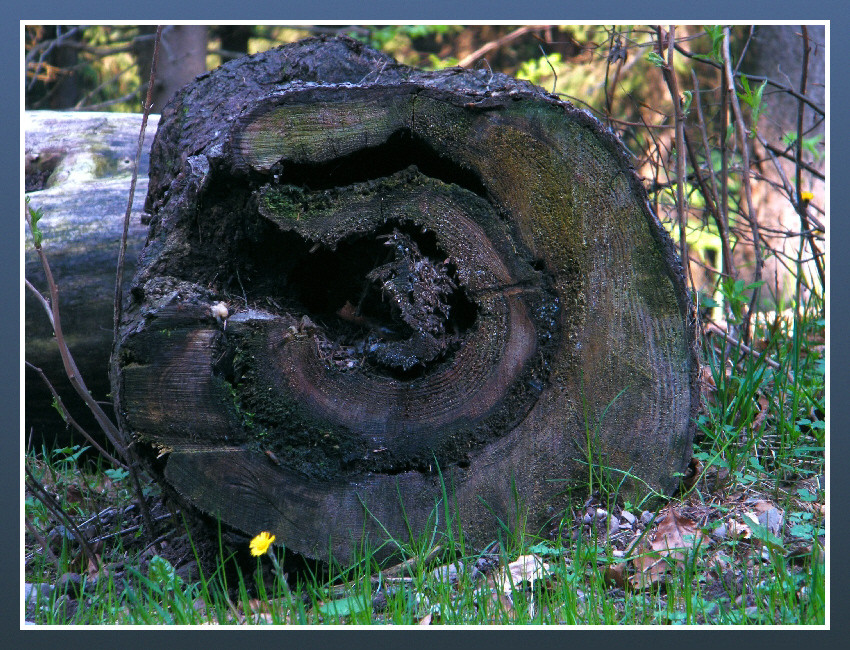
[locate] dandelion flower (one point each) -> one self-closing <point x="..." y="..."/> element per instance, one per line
<point x="806" y="196"/>
<point x="261" y="543"/>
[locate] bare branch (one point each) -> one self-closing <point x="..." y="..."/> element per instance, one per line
<point x="745" y="177"/>
<point x="70" y="420"/>
<point x="119" y="280"/>
<point x="495" y="45"/>
<point x="56" y="508"/>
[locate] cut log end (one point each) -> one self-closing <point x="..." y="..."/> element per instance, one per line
<point x="427" y="295"/>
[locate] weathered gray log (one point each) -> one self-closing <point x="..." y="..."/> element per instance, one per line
<point x="78" y="169"/>
<point x="444" y="290"/>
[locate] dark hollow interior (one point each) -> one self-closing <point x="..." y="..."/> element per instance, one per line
<point x="287" y="272"/>
<point x="401" y="150"/>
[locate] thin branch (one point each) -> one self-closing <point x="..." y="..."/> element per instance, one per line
<point x="784" y="153"/>
<point x="45" y="545"/>
<point x="119" y="281"/>
<point x="745" y="177"/>
<point x="101" y="86"/>
<point x="66" y="415"/>
<point x="109" y="429"/>
<point x="789" y="190"/>
<point x="679" y="119"/>
<point x="711" y="196"/>
<point x="58" y="511"/>
<point x="110" y="102"/>
<point x="495" y="45"/>
<point x="745" y="348"/>
<point x="799" y="204"/>
<point x="752" y="77"/>
<point x="60" y="40"/>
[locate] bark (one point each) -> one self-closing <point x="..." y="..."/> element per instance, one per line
<point x="78" y="168"/>
<point x="446" y="294"/>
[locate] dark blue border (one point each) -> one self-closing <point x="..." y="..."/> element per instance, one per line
<point x="212" y="11"/>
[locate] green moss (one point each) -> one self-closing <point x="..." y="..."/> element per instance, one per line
<point x="274" y="421"/>
<point x="286" y="202"/>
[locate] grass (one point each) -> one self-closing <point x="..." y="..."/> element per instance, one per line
<point x="741" y="543"/>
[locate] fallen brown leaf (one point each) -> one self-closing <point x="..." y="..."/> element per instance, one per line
<point x="93" y="570"/>
<point x="526" y="568"/>
<point x="764" y="408"/>
<point x="675" y="536"/>
<point x="694" y="473"/>
<point x="615" y="574"/>
<point x="738" y="530"/>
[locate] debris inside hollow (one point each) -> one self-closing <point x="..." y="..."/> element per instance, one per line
<point x="417" y="290"/>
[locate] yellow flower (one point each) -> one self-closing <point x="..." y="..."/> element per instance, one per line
<point x="260" y="544"/>
<point x="806" y="196"/>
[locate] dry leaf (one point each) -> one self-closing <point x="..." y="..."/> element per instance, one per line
<point x="73" y="494"/>
<point x="764" y="407"/>
<point x="694" y="473"/>
<point x="525" y="568"/>
<point x="674" y="537"/>
<point x="769" y="516"/>
<point x="738" y="530"/>
<point x="92" y="570"/>
<point x="426" y="620"/>
<point x="651" y="569"/>
<point x="615" y="574"/>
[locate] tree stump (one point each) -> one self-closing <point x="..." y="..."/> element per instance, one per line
<point x="445" y="293"/>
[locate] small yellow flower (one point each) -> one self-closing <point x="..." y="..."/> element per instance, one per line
<point x="260" y="544"/>
<point x="806" y="196"/>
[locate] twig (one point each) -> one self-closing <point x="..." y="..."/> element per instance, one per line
<point x="712" y="196"/>
<point x="109" y="429"/>
<point x="70" y="420"/>
<point x="745" y="178"/>
<point x="551" y="67"/>
<point x="789" y="190"/>
<point x="71" y="370"/>
<point x="799" y="204"/>
<point x="679" y="119"/>
<point x="495" y="45"/>
<point x="80" y="104"/>
<point x="745" y="348"/>
<point x="111" y="102"/>
<point x="119" y="280"/>
<point x="59" y="40"/>
<point x="784" y="153"/>
<point x="130" y="529"/>
<point x="724" y="156"/>
<point x="56" y="508"/>
<point x="752" y="77"/>
<point x="45" y="545"/>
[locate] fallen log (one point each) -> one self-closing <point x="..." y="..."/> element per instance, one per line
<point x="78" y="167"/>
<point x="373" y="295"/>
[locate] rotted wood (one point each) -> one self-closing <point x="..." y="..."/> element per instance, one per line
<point x="78" y="171"/>
<point x="445" y="293"/>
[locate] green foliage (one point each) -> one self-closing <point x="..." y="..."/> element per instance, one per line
<point x="715" y="33"/>
<point x="813" y="145"/>
<point x="35" y="215"/>
<point x="656" y="59"/>
<point x="538" y="71"/>
<point x="736" y="294"/>
<point x="752" y="99"/>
